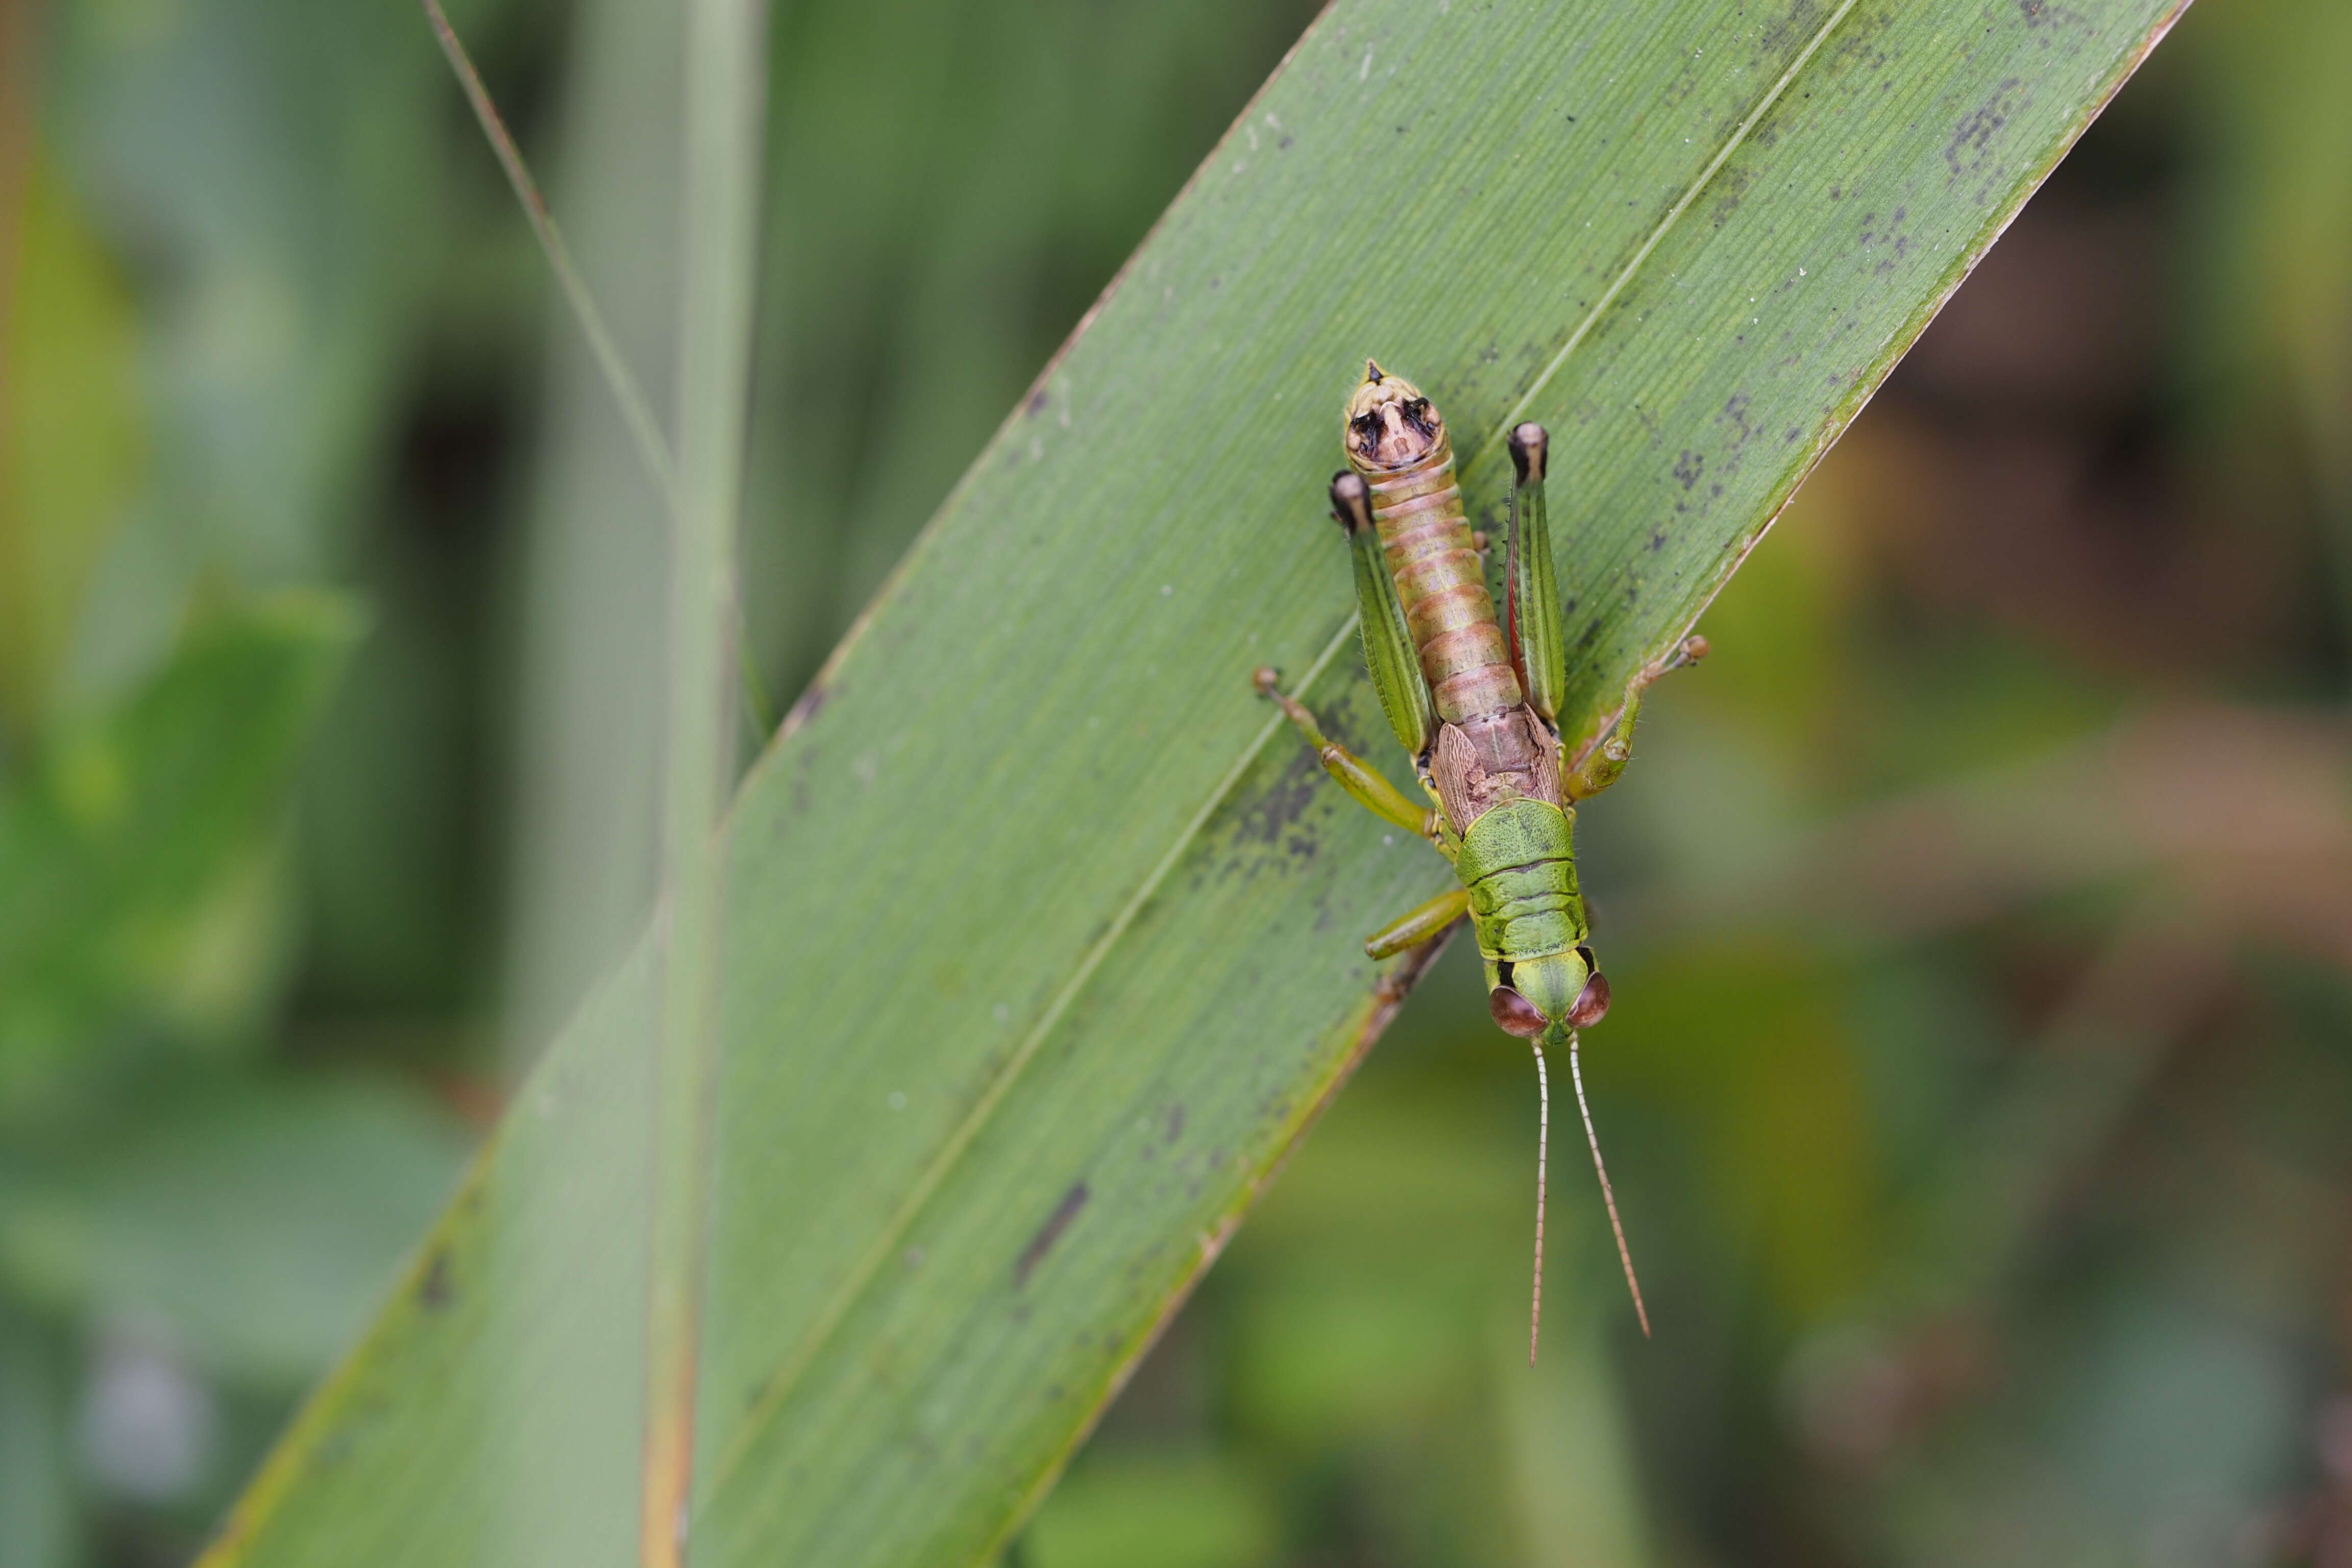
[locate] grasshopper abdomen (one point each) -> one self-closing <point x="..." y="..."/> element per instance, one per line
<point x="1397" y="441"/>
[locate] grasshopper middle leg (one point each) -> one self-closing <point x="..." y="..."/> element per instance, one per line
<point x="1372" y="788"/>
<point x="1358" y="777"/>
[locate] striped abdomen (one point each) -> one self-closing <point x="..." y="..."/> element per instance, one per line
<point x="1442" y="587"/>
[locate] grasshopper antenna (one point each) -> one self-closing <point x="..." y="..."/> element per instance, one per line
<point x="1543" y="1136"/>
<point x="1576" y="1074"/>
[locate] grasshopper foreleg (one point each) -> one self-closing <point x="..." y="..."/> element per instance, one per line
<point x="1358" y="777"/>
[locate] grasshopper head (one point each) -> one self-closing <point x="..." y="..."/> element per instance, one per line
<point x="1390" y="423"/>
<point x="1566" y="988"/>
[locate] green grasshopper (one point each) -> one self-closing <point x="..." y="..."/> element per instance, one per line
<point x="1476" y="704"/>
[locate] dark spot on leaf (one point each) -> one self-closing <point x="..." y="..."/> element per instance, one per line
<point x="1287" y="801"/>
<point x="1777" y="37"/>
<point x="812" y="702"/>
<point x="1049" y="1232"/>
<point x="1688" y="467"/>
<point x="1968" y="151"/>
<point x="1730" y="187"/>
<point x="435" y="1292"/>
<point x="1037" y="403"/>
<point x="1175" y="1123"/>
<point x="1736" y="412"/>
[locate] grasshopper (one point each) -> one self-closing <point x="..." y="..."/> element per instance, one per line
<point x="1476" y="704"/>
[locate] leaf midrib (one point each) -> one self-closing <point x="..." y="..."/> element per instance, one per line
<point x="781" y="1387"/>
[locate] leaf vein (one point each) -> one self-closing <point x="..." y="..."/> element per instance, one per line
<point x="1657" y="236"/>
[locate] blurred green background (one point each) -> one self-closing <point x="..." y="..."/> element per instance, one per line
<point x="1978" y="1092"/>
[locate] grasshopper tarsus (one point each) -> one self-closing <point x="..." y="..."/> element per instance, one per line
<point x="1687" y="652"/>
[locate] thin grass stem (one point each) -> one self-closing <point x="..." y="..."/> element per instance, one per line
<point x="725" y="77"/>
<point x="636" y="410"/>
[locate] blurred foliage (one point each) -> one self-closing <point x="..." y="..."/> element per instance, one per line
<point x="1978" y="1086"/>
<point x="71" y="455"/>
<point x="136" y="851"/>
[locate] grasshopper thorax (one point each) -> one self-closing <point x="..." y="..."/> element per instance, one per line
<point x="1391" y="424"/>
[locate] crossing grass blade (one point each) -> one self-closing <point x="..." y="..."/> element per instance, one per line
<point x="1041" y="939"/>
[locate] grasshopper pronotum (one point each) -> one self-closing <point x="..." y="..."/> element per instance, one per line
<point x="1476" y="704"/>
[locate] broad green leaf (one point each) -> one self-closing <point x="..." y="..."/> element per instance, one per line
<point x="1042" y="933"/>
<point x="134" y="843"/>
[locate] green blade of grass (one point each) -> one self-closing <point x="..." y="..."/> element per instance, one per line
<point x="1041" y="939"/>
<point x="723" y="105"/>
<point x="628" y="398"/>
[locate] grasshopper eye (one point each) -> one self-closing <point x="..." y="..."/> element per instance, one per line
<point x="1367" y="428"/>
<point x="1514" y="1014"/>
<point x="1417" y="414"/>
<point x="1592" y="1003"/>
